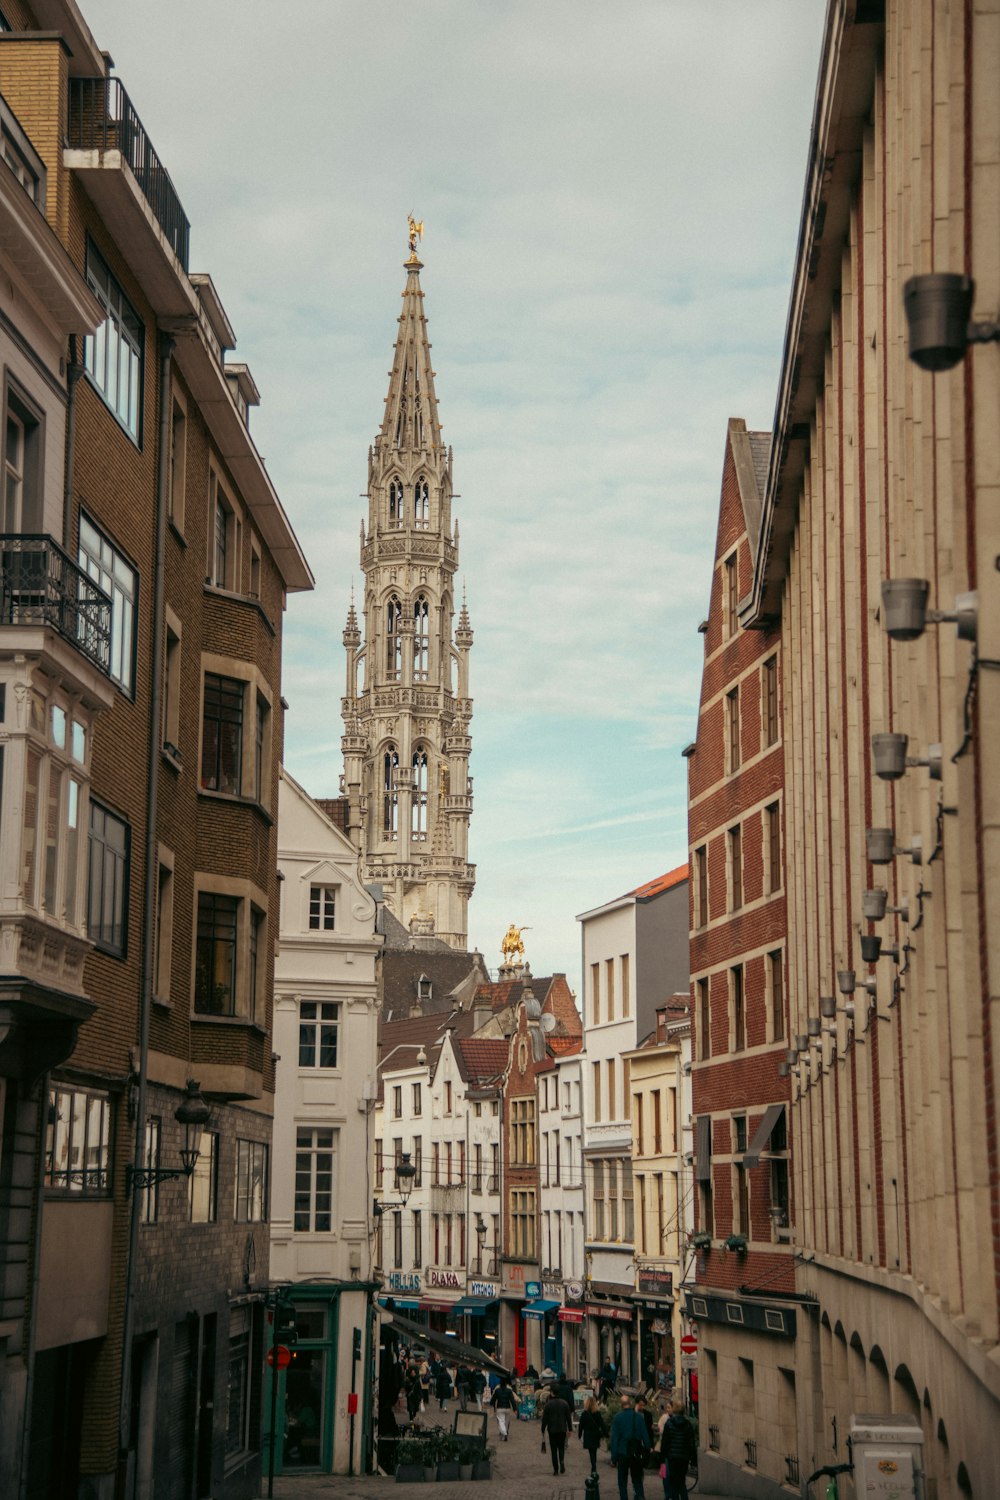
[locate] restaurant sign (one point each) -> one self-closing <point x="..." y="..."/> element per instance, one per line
<point x="656" y="1283"/>
<point x="403" y="1281"/>
<point x="444" y="1278"/>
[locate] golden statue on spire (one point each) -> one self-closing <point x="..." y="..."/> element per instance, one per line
<point x="416" y="233"/>
<point x="512" y="944"/>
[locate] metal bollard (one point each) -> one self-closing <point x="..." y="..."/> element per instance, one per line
<point x="592" y="1487"/>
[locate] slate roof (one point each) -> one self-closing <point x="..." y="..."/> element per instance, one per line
<point x="446" y="969"/>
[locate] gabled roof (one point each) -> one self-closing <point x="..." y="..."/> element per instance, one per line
<point x="661" y="883"/>
<point x="481" y="1059"/>
<point x="447" y="970"/>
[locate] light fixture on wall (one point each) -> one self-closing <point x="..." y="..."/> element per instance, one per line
<point x="874" y="905"/>
<point x="880" y="846"/>
<point x="481" y="1241"/>
<point x="405" y="1174"/>
<point x="937" y="308"/>
<point x="872" y="949"/>
<point x="891" y="760"/>
<point x="906" y="616"/>
<point x="845" y="981"/>
<point x="192" y="1113"/>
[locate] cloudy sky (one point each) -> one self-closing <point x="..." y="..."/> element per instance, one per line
<point x="611" y="197"/>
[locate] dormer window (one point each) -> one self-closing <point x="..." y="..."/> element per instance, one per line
<point x="396" y="506"/>
<point x="322" y="908"/>
<point x="424" y="988"/>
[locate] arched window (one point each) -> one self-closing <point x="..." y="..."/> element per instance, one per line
<point x="421" y="640"/>
<point x="393" y="640"/>
<point x="390" y="792"/>
<point x="395" y="502"/>
<point x="418" y="819"/>
<point x="421" y="505"/>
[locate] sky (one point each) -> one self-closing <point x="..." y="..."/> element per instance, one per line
<point x="611" y="195"/>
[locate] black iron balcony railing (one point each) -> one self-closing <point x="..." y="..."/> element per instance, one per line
<point x="40" y="584"/>
<point x="101" y="118"/>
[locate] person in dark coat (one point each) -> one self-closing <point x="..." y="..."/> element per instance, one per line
<point x="557" y="1421"/>
<point x="678" y="1449"/>
<point x="443" y="1386"/>
<point x="503" y="1402"/>
<point x="591" y="1427"/>
<point x="565" y="1388"/>
<point x="629" y="1446"/>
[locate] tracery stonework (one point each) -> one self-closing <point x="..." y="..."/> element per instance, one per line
<point x="406" y="772"/>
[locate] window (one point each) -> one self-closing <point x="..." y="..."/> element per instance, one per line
<point x="315" y="1163"/>
<point x="78" y="1142"/>
<point x="18" y="152"/>
<point x="418" y="1239"/>
<point x="102" y="562"/>
<point x="779" y="1173"/>
<point x="178" y="464"/>
<point x="771" y="701"/>
<point x="215" y="954"/>
<point x="595" y="992"/>
<point x="626" y="983"/>
<point x="418" y="804"/>
<point x="418" y="1160"/>
<point x="255" y="976"/>
<point x="417" y="1102"/>
<point x="390" y="792"/>
<point x="203" y="1190"/>
<point x="598" y="1200"/>
<point x="225" y="537"/>
<point x="522" y="1224"/>
<point x="736" y="867"/>
<point x="421" y="640"/>
<point x="461" y="1161"/>
<point x="741" y="1201"/>
<point x="597" y="1090"/>
<point x="739" y="1009"/>
<point x="107" y="895"/>
<point x="701" y="883"/>
<point x="393" y="638"/>
<point x="447" y="1097"/>
<point x="704" y="1020"/>
<point x="637" y="1122"/>
<point x="395" y="503"/>
<point x="435" y="1164"/>
<point x="776" y="977"/>
<point x="240" y="1394"/>
<point x="172" y="685"/>
<point x="255" y="566"/>
<point x="421" y="505"/>
<point x="21" y="508"/>
<point x="322" y="908"/>
<point x="612" y="1170"/>
<point x="397" y="1239"/>
<point x="261" y="716"/>
<point x="164" y="935"/>
<point x="222" y="734"/>
<point x="730" y="595"/>
<point x="447" y="1163"/>
<point x="611" y="1088"/>
<point x="151" y="1193"/>
<point x="493" y="1183"/>
<point x="733" y="726"/>
<point x="772" y="816"/>
<point x="522" y="1132"/>
<point x="113" y="355"/>
<point x="397" y="1101"/>
<point x="251" y="1182"/>
<point x="477" y="1167"/>
<point x="319" y="1033"/>
<point x="657" y="1125"/>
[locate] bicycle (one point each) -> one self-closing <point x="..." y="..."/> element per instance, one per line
<point x="831" y="1471"/>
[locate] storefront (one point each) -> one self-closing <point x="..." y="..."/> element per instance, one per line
<point x="611" y="1337"/>
<point x="541" y="1311"/>
<point x="480" y="1309"/>
<point x="515" y="1350"/>
<point x="655" y="1303"/>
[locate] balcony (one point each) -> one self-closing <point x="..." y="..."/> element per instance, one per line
<point x="447" y="1198"/>
<point x="41" y="585"/>
<point x="102" y="119"/>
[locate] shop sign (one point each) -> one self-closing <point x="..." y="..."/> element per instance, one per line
<point x="570" y="1315"/>
<point x="444" y="1278"/>
<point x="552" y="1290"/>
<point x="514" y="1279"/>
<point x="403" y="1281"/>
<point x="617" y="1314"/>
<point x="574" y="1291"/>
<point x="656" y="1283"/>
<point x="532" y="1288"/>
<point x="483" y="1289"/>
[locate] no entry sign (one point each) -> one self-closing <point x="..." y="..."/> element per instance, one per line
<point x="689" y="1343"/>
<point x="281" y="1356"/>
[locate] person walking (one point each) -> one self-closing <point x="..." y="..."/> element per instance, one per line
<point x="477" y="1385"/>
<point x="462" y="1387"/>
<point x="443" y="1386"/>
<point x="591" y="1428"/>
<point x="557" y="1421"/>
<point x="629" y="1446"/>
<point x="503" y="1402"/>
<point x="678" y="1449"/>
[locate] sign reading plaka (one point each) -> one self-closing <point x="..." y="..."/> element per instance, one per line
<point x="444" y="1278"/>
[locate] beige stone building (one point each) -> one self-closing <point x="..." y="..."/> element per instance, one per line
<point x="881" y="471"/>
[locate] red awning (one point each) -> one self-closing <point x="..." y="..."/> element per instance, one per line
<point x="570" y="1315"/>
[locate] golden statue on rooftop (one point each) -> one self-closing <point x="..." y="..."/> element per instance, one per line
<point x="416" y="233"/>
<point x="512" y="946"/>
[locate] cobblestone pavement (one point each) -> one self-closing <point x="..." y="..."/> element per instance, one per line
<point x="520" y="1468"/>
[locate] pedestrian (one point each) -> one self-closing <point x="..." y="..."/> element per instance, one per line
<point x="503" y="1402"/>
<point x="443" y="1386"/>
<point x="462" y="1387"/>
<point x="477" y="1384"/>
<point x="647" y="1416"/>
<point x="629" y="1446"/>
<point x="591" y="1427"/>
<point x="565" y="1387"/>
<point x="557" y="1421"/>
<point x="678" y="1449"/>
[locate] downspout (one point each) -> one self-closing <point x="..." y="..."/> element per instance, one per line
<point x="73" y="373"/>
<point x="166" y="345"/>
<point x="32" y="1307"/>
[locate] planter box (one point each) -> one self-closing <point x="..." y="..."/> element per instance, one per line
<point x="409" y="1473"/>
<point x="430" y="1473"/>
<point x="447" y="1471"/>
<point x="465" y="1471"/>
<point x="483" y="1469"/>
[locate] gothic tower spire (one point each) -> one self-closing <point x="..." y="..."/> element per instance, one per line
<point x="406" y="739"/>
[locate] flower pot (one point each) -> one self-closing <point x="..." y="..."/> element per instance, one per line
<point x="409" y="1473"/>
<point x="447" y="1470"/>
<point x="465" y="1471"/>
<point x="483" y="1469"/>
<point x="430" y="1473"/>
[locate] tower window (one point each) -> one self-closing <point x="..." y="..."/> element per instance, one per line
<point x="418" y="822"/>
<point x="421" y="640"/>
<point x="393" y="639"/>
<point x="390" y="792"/>
<point x="396" y="502"/>
<point x="421" y="505"/>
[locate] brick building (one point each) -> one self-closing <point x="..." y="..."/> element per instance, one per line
<point x="135" y="1315"/>
<point x="738" y="923"/>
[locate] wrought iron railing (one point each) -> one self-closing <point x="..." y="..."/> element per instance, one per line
<point x="791" y="1469"/>
<point x="40" y="584"/>
<point x="101" y="118"/>
<point x="713" y="1438"/>
<point x="750" y="1447"/>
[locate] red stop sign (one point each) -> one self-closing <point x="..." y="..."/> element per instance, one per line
<point x="281" y="1356"/>
<point x="689" y="1343"/>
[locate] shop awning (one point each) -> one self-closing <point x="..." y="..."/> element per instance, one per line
<point x="570" y="1315"/>
<point x="437" y="1304"/>
<point x="762" y="1134"/>
<point x="538" y="1308"/>
<point x="454" y="1348"/>
<point x="410" y="1302"/>
<point x="474" y="1306"/>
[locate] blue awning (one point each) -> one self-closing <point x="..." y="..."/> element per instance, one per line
<point x="538" y="1308"/>
<point x="474" y="1306"/>
<point x="399" y="1301"/>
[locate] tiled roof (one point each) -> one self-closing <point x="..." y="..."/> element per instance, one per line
<point x="564" y="1045"/>
<point x="661" y="883"/>
<point x="483" y="1058"/>
<point x="335" y="809"/>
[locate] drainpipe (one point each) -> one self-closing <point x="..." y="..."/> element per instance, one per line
<point x="166" y="345"/>
<point x="73" y="373"/>
<point x="32" y="1309"/>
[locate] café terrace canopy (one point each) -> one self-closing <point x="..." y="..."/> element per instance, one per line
<point x="466" y="1354"/>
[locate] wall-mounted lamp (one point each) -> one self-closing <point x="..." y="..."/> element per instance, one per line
<point x="405" y="1174"/>
<point x="880" y="845"/>
<point x="801" y="1042"/>
<point x="906" y="616"/>
<point x="874" y="905"/>
<point x="783" y="1068"/>
<point x="845" y="981"/>
<point x="872" y="949"/>
<point x="891" y="759"/>
<point x="192" y="1113"/>
<point x="937" y="311"/>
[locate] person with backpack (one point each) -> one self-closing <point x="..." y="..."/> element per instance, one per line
<point x="629" y="1446"/>
<point x="678" y="1449"/>
<point x="503" y="1402"/>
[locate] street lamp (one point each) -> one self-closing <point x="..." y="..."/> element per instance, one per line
<point x="405" y="1173"/>
<point x="192" y="1113"/>
<point x="481" y="1237"/>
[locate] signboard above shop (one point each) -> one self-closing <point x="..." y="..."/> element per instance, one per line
<point x="655" y="1283"/>
<point x="402" y="1281"/>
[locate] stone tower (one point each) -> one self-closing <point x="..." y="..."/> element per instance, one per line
<point x="406" y="739"/>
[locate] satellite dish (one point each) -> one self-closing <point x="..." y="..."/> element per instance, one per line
<point x="548" y="1022"/>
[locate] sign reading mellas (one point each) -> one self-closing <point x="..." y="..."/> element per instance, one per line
<point x="403" y="1281"/>
<point x="444" y="1278"/>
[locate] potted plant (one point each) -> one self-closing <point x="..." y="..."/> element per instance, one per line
<point x="449" y="1457"/>
<point x="410" y="1461"/>
<point x="430" y="1448"/>
<point x="735" y="1242"/>
<point x="482" y="1464"/>
<point x="702" y="1240"/>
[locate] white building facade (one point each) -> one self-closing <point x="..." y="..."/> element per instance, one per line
<point x="561" y="1195"/>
